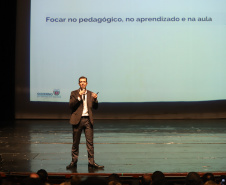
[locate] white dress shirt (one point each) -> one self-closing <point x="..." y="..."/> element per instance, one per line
<point x="85" y="107"/>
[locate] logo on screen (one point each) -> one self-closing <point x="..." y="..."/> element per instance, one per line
<point x="56" y="92"/>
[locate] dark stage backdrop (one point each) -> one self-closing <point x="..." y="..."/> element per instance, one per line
<point x="28" y="106"/>
<point x="7" y="69"/>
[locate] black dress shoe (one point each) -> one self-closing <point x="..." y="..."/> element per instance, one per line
<point x="95" y="165"/>
<point x="72" y="165"/>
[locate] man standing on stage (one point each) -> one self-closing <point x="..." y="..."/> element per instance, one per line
<point x="81" y="103"/>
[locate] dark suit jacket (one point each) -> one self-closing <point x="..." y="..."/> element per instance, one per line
<point x="76" y="106"/>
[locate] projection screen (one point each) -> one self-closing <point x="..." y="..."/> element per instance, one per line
<point x="130" y="51"/>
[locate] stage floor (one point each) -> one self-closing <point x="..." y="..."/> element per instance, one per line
<point x="122" y="146"/>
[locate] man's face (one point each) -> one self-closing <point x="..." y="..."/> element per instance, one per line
<point x="82" y="83"/>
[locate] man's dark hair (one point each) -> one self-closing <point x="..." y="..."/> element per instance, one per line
<point x="43" y="175"/>
<point x="82" y="78"/>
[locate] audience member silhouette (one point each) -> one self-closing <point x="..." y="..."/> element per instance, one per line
<point x="193" y="178"/>
<point x="94" y="181"/>
<point x="208" y="177"/>
<point x="43" y="175"/>
<point x="75" y="180"/>
<point x="33" y="179"/>
<point x="146" y="179"/>
<point x="114" y="179"/>
<point x="222" y="180"/>
<point x="158" y="178"/>
<point x="210" y="182"/>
